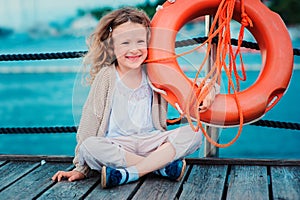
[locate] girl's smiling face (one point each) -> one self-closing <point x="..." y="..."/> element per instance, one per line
<point x="130" y="45"/>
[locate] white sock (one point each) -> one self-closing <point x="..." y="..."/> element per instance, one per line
<point x="129" y="174"/>
<point x="161" y="172"/>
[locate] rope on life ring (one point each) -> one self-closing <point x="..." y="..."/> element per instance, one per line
<point x="236" y="107"/>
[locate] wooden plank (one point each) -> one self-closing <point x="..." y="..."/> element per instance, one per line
<point x="120" y="192"/>
<point x="157" y="187"/>
<point x="33" y="158"/>
<point x="197" y="161"/>
<point x="248" y="182"/>
<point x="71" y="190"/>
<point x="2" y="162"/>
<point x="34" y="183"/>
<point x="233" y="161"/>
<point x="205" y="182"/>
<point x="13" y="171"/>
<point x="285" y="182"/>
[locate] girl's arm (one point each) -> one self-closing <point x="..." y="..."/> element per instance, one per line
<point x="92" y="115"/>
<point x="90" y="124"/>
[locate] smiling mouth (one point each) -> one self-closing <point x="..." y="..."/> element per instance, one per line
<point x="133" y="58"/>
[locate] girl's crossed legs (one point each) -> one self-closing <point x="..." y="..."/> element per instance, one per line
<point x="147" y="152"/>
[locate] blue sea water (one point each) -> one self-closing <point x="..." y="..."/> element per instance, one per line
<point x="31" y="97"/>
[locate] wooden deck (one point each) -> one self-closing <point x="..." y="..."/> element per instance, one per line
<point x="29" y="177"/>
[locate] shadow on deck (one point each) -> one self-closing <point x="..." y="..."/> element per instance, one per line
<point x="29" y="177"/>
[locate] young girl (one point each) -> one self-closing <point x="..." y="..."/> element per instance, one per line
<point x="122" y="131"/>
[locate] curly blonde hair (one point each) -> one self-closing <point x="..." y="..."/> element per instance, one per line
<point x="100" y="45"/>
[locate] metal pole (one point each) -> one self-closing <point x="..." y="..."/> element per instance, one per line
<point x="213" y="132"/>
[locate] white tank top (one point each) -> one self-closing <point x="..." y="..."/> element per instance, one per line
<point x="131" y="109"/>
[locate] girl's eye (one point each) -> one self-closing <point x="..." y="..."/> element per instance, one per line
<point x="141" y="41"/>
<point x="125" y="43"/>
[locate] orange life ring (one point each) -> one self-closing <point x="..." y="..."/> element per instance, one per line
<point x="276" y="51"/>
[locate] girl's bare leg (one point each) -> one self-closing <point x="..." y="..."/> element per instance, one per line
<point x="154" y="161"/>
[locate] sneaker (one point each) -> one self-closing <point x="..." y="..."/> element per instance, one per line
<point x="174" y="171"/>
<point x="111" y="177"/>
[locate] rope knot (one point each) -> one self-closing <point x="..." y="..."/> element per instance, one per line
<point x="246" y="21"/>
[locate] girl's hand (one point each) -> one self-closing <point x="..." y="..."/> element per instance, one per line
<point x="208" y="100"/>
<point x="70" y="175"/>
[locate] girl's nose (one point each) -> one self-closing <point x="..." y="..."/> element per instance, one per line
<point x="134" y="48"/>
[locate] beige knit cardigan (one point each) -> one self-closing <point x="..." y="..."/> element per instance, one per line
<point x="97" y="109"/>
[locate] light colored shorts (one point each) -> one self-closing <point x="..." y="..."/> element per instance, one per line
<point x="99" y="151"/>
